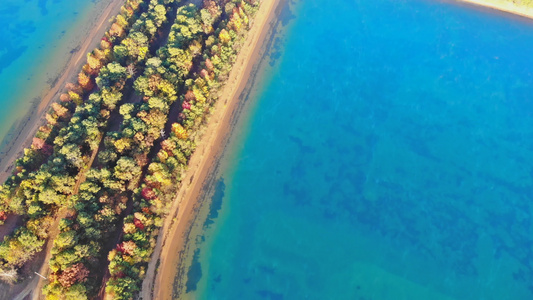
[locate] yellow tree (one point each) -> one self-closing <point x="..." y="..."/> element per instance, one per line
<point x="224" y="36"/>
<point x="94" y="62"/>
<point x="179" y="131"/>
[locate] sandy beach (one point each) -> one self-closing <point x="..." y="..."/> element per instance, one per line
<point x="158" y="283"/>
<point x="29" y="124"/>
<point x="508" y="7"/>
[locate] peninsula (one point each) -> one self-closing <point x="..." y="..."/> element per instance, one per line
<point x="102" y="183"/>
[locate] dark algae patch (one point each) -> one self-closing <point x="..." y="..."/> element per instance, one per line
<point x="216" y="202"/>
<point x="195" y="273"/>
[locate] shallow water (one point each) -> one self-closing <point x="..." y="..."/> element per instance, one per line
<point x="36" y="40"/>
<point x="388" y="155"/>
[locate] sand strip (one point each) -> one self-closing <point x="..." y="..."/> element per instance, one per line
<point x="159" y="285"/>
<point x="504" y="6"/>
<point x="29" y="124"/>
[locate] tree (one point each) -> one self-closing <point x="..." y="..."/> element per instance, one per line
<point x="158" y="103"/>
<point x="116" y="30"/>
<point x="73" y="155"/>
<point x="94" y="62"/>
<point x="75" y="97"/>
<point x="111" y="97"/>
<point x="209" y="64"/>
<point x="60" y="110"/>
<point x="51" y="119"/>
<point x="85" y="82"/>
<point x="21" y="248"/>
<point x="64" y="98"/>
<point x="8" y="274"/>
<point x="224" y="36"/>
<point x="63" y="183"/>
<point x="65" y="240"/>
<point x="123" y="144"/>
<point x="37" y="143"/>
<point x="126" y="169"/>
<point x="113" y="74"/>
<point x="74" y="274"/>
<point x="50" y="196"/>
<point x="128" y="247"/>
<point x="3" y="216"/>
<point x="105" y="44"/>
<point x="212" y="7"/>
<point x="137" y="46"/>
<point x="126" y="110"/>
<point x="148" y="193"/>
<point x="159" y="15"/>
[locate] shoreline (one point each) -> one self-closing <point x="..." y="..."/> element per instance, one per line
<point x="498" y="6"/>
<point x="25" y="127"/>
<point x="158" y="284"/>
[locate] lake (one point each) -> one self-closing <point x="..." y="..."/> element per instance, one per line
<point x="387" y="153"/>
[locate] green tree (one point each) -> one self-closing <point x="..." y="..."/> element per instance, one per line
<point x="126" y="169"/>
<point x="112" y="74"/>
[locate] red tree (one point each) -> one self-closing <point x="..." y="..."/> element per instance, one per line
<point x="138" y="223"/>
<point x="74" y="274"/>
<point x="148" y="193"/>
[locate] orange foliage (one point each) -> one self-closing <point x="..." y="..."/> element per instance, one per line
<point x="45" y="129"/>
<point x="116" y="30"/>
<point x="71" y="87"/>
<point x="3" y="215"/>
<point x="37" y="143"/>
<point x="59" y="109"/>
<point x="153" y="82"/>
<point x="52" y="120"/>
<point x="105" y="44"/>
<point x="64" y="98"/>
<point x="141" y="159"/>
<point x="85" y="82"/>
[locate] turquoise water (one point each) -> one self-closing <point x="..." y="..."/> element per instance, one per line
<point x="33" y="48"/>
<point x="388" y="155"/>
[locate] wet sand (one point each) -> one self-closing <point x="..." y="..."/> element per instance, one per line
<point x="158" y="284"/>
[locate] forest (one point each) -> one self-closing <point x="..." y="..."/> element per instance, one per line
<point x="102" y="172"/>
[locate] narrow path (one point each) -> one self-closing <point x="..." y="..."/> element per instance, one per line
<point x="62" y="213"/>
